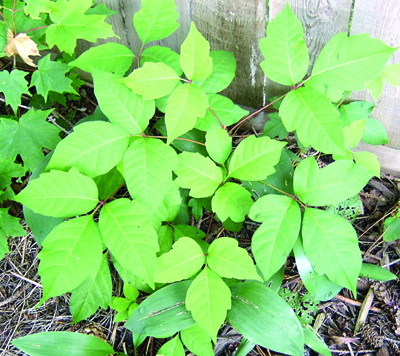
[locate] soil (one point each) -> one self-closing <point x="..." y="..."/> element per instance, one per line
<point x="335" y="320"/>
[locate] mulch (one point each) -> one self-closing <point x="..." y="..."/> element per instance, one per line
<point x="335" y="320"/>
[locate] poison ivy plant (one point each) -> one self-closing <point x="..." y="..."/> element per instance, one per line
<point x="122" y="189"/>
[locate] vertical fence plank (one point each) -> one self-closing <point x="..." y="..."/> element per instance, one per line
<point x="321" y="20"/>
<point x="236" y="26"/>
<point x="381" y="19"/>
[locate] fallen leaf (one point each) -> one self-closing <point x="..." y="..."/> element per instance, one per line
<point x="22" y="45"/>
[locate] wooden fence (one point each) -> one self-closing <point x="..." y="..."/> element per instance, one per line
<point x="237" y="26"/>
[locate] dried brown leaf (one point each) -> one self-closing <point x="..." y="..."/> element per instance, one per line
<point x="22" y="45"/>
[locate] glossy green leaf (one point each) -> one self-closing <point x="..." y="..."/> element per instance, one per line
<point x="50" y="76"/>
<point x="195" y="55"/>
<point x="208" y="298"/>
<point x="218" y="145"/>
<point x="391" y="74"/>
<point x="148" y="165"/>
<point x="319" y="286"/>
<point x="13" y="85"/>
<point x="94" y="292"/>
<point x="172" y="347"/>
<point x="368" y="160"/>
<point x="378" y="273"/>
<point x="60" y="194"/>
<point x="331" y="244"/>
<point x="230" y="261"/>
<point x="133" y="242"/>
<point x="71" y="253"/>
<point x="274" y="239"/>
<point x="330" y="185"/>
<point x="107" y="57"/>
<point x="197" y="173"/>
<point x="231" y="201"/>
<point x="254" y="158"/>
<point x="184" y="260"/>
<point x="274" y="127"/>
<point x="264" y="318"/>
<point x="120" y="104"/>
<point x="285" y="51"/>
<point x="152" y="81"/>
<point x="162" y="54"/>
<point x="163" y="313"/>
<point x="352" y="134"/>
<point x="374" y="133"/>
<point x="185" y="105"/>
<point x="109" y="183"/>
<point x="314" y="118"/>
<point x="221" y="110"/>
<point x="169" y="208"/>
<point x="70" y="23"/>
<point x="314" y="341"/>
<point x="197" y="341"/>
<point x="64" y="343"/>
<point x="155" y="20"/>
<point x="27" y="137"/>
<point x="357" y="110"/>
<point x="222" y="74"/>
<point x="94" y="148"/>
<point x="375" y="87"/>
<point x="391" y="227"/>
<point x="347" y="62"/>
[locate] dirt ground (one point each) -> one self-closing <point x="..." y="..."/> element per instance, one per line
<point x="335" y="320"/>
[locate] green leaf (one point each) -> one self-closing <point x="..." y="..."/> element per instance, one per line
<point x="232" y="201"/>
<point x="254" y="158"/>
<point x="184" y="260"/>
<point x="148" y="165"/>
<point x="285" y="51"/>
<point x="71" y="253"/>
<point x="274" y="127"/>
<point x="88" y="149"/>
<point x="162" y="54"/>
<point x="228" y="260"/>
<point x="130" y="292"/>
<point x="218" y="145"/>
<point x="33" y="8"/>
<point x="375" y="87"/>
<point x="391" y="74"/>
<point x="170" y="205"/>
<point x="331" y="244"/>
<point x="347" y="62"/>
<point x="133" y="242"/>
<point x="121" y="105"/>
<point x="208" y="298"/>
<point x="197" y="341"/>
<point x="109" y="183"/>
<point x="222" y="74"/>
<point x="156" y="20"/>
<point x="352" y="134"/>
<point x="357" y="110"/>
<point x="266" y="319"/>
<point x="66" y="343"/>
<point x="60" y="194"/>
<point x="319" y="286"/>
<point x="107" y="57"/>
<point x="195" y="55"/>
<point x="374" y="133"/>
<point x="314" y="118"/>
<point x="185" y="105"/>
<point x="330" y="185"/>
<point x="172" y="347"/>
<point x="368" y="160"/>
<point x="197" y="173"/>
<point x="13" y="85"/>
<point x="3" y="245"/>
<point x="392" y="228"/>
<point x="94" y="292"/>
<point x="378" y="273"/>
<point x="50" y="76"/>
<point x="152" y="81"/>
<point x="314" y="341"/>
<point x="9" y="226"/>
<point x="27" y="137"/>
<point x="163" y="313"/>
<point x="70" y="23"/>
<point x="222" y="107"/>
<point x="274" y="239"/>
<point x="165" y="239"/>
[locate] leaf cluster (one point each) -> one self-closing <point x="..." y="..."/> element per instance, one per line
<point x="186" y="164"/>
